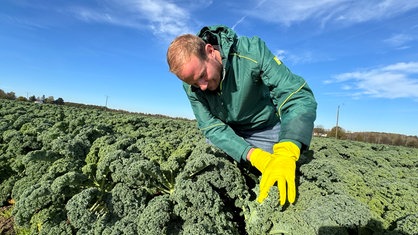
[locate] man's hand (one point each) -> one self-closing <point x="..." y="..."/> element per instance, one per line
<point x="279" y="166"/>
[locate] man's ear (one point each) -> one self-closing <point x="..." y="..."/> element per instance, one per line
<point x="210" y="50"/>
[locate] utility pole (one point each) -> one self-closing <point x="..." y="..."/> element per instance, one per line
<point x="338" y="116"/>
<point x="336" y="127"/>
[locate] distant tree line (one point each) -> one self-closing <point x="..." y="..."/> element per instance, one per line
<point x="369" y="137"/>
<point x="48" y="100"/>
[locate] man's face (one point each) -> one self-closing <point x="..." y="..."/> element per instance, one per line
<point x="205" y="75"/>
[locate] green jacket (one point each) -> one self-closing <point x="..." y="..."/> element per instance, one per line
<point x="257" y="91"/>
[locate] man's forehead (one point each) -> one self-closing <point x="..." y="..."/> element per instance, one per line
<point x="191" y="69"/>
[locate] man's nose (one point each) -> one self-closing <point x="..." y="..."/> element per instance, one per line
<point x="203" y="84"/>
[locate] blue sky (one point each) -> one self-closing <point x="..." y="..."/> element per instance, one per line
<point x="359" y="55"/>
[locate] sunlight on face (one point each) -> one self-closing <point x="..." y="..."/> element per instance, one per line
<point x="205" y="75"/>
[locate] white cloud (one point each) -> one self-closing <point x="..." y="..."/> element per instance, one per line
<point x="400" y="40"/>
<point x="392" y="81"/>
<point x="281" y="54"/>
<point x="287" y="12"/>
<point x="299" y="57"/>
<point x="304" y="57"/>
<point x="163" y="17"/>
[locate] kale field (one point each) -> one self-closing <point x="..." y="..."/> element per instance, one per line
<point x="68" y="170"/>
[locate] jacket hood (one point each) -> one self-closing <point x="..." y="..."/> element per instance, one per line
<point x="222" y="36"/>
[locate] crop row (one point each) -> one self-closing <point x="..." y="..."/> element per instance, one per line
<point x="68" y="170"/>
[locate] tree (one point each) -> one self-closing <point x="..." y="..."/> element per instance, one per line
<point x="49" y="100"/>
<point x="320" y="130"/>
<point x="21" y="98"/>
<point x="2" y="94"/>
<point x="337" y="132"/>
<point x="385" y="139"/>
<point x="59" y="101"/>
<point x="11" y="95"/>
<point x="412" y="141"/>
<point x="32" y="98"/>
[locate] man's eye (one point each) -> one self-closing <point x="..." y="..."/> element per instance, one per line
<point x="202" y="76"/>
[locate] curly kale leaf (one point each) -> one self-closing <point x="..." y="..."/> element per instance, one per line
<point x="124" y="201"/>
<point x="209" y="193"/>
<point x="50" y="220"/>
<point x="32" y="200"/>
<point x="85" y="209"/>
<point x="61" y="167"/>
<point x="99" y="148"/>
<point x="69" y="184"/>
<point x="408" y="224"/>
<point x="35" y="166"/>
<point x="158" y="217"/>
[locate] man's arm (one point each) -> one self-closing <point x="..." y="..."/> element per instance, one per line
<point x="294" y="100"/>
<point x="218" y="132"/>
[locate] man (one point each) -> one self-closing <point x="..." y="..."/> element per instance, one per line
<point x="246" y="102"/>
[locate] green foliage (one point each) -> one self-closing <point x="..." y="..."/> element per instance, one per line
<point x="34" y="198"/>
<point x="85" y="209"/>
<point x="158" y="217"/>
<point x="89" y="171"/>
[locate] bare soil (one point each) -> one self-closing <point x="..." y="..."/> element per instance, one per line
<point x="6" y="224"/>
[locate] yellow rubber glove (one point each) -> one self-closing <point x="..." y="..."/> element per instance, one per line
<point x="278" y="167"/>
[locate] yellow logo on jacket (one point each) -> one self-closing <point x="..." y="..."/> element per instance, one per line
<point x="277" y="60"/>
